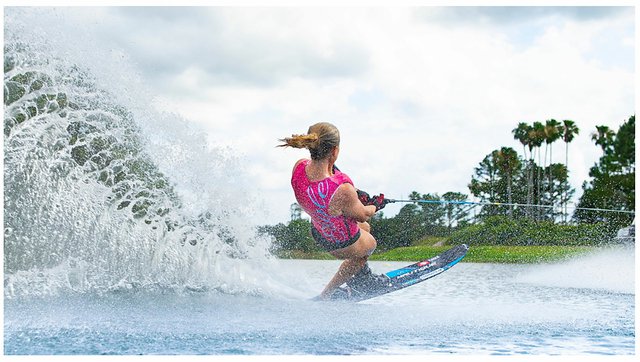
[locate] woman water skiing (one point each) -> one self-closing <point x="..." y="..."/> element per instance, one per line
<point x="339" y="212"/>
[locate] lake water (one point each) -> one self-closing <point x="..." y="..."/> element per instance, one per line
<point x="574" y="307"/>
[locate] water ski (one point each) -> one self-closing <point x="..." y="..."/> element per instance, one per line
<point x="365" y="285"/>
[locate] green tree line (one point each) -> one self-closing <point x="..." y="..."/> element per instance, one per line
<point x="534" y="193"/>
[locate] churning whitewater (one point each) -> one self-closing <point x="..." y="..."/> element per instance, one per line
<point x="102" y="192"/>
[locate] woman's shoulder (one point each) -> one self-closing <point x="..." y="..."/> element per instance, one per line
<point x="295" y="166"/>
<point x="341" y="178"/>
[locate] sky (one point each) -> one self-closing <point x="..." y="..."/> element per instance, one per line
<point x="420" y="94"/>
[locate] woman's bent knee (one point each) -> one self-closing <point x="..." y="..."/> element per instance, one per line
<point x="367" y="244"/>
<point x="362" y="248"/>
<point x="365" y="226"/>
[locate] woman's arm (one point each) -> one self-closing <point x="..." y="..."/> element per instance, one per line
<point x="345" y="202"/>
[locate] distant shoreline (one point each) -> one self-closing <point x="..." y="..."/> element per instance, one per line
<point x="476" y="254"/>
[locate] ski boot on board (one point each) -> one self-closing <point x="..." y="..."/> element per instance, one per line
<point x="361" y="284"/>
<point x="365" y="282"/>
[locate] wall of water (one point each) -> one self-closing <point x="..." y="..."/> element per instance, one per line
<point x="101" y="190"/>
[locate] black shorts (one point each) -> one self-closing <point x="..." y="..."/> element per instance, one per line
<point x="330" y="246"/>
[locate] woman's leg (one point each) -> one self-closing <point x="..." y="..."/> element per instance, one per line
<point x="355" y="256"/>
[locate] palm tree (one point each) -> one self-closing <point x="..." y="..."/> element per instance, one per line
<point x="537" y="137"/>
<point x="523" y="133"/>
<point x="603" y="137"/>
<point x="552" y="134"/>
<point x="508" y="163"/>
<point x="569" y="131"/>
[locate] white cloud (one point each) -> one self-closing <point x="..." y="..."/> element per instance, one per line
<point x="433" y="99"/>
<point x="420" y="95"/>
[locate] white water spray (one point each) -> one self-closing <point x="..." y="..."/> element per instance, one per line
<point x="608" y="270"/>
<point x="103" y="192"/>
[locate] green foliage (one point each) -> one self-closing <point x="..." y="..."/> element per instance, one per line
<point x="401" y="230"/>
<point x="613" y="178"/>
<point x="456" y="213"/>
<point x="439" y="216"/>
<point x="496" y="180"/>
<point x="537" y="181"/>
<point x="501" y="230"/>
<point x="501" y="178"/>
<point x="296" y="235"/>
<point x="489" y="254"/>
<point x="410" y="253"/>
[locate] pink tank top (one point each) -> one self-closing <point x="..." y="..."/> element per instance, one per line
<point x="314" y="198"/>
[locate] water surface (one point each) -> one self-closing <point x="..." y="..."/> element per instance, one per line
<point x="489" y="309"/>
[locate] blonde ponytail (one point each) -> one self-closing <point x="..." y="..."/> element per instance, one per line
<point x="320" y="140"/>
<point x="307" y="141"/>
